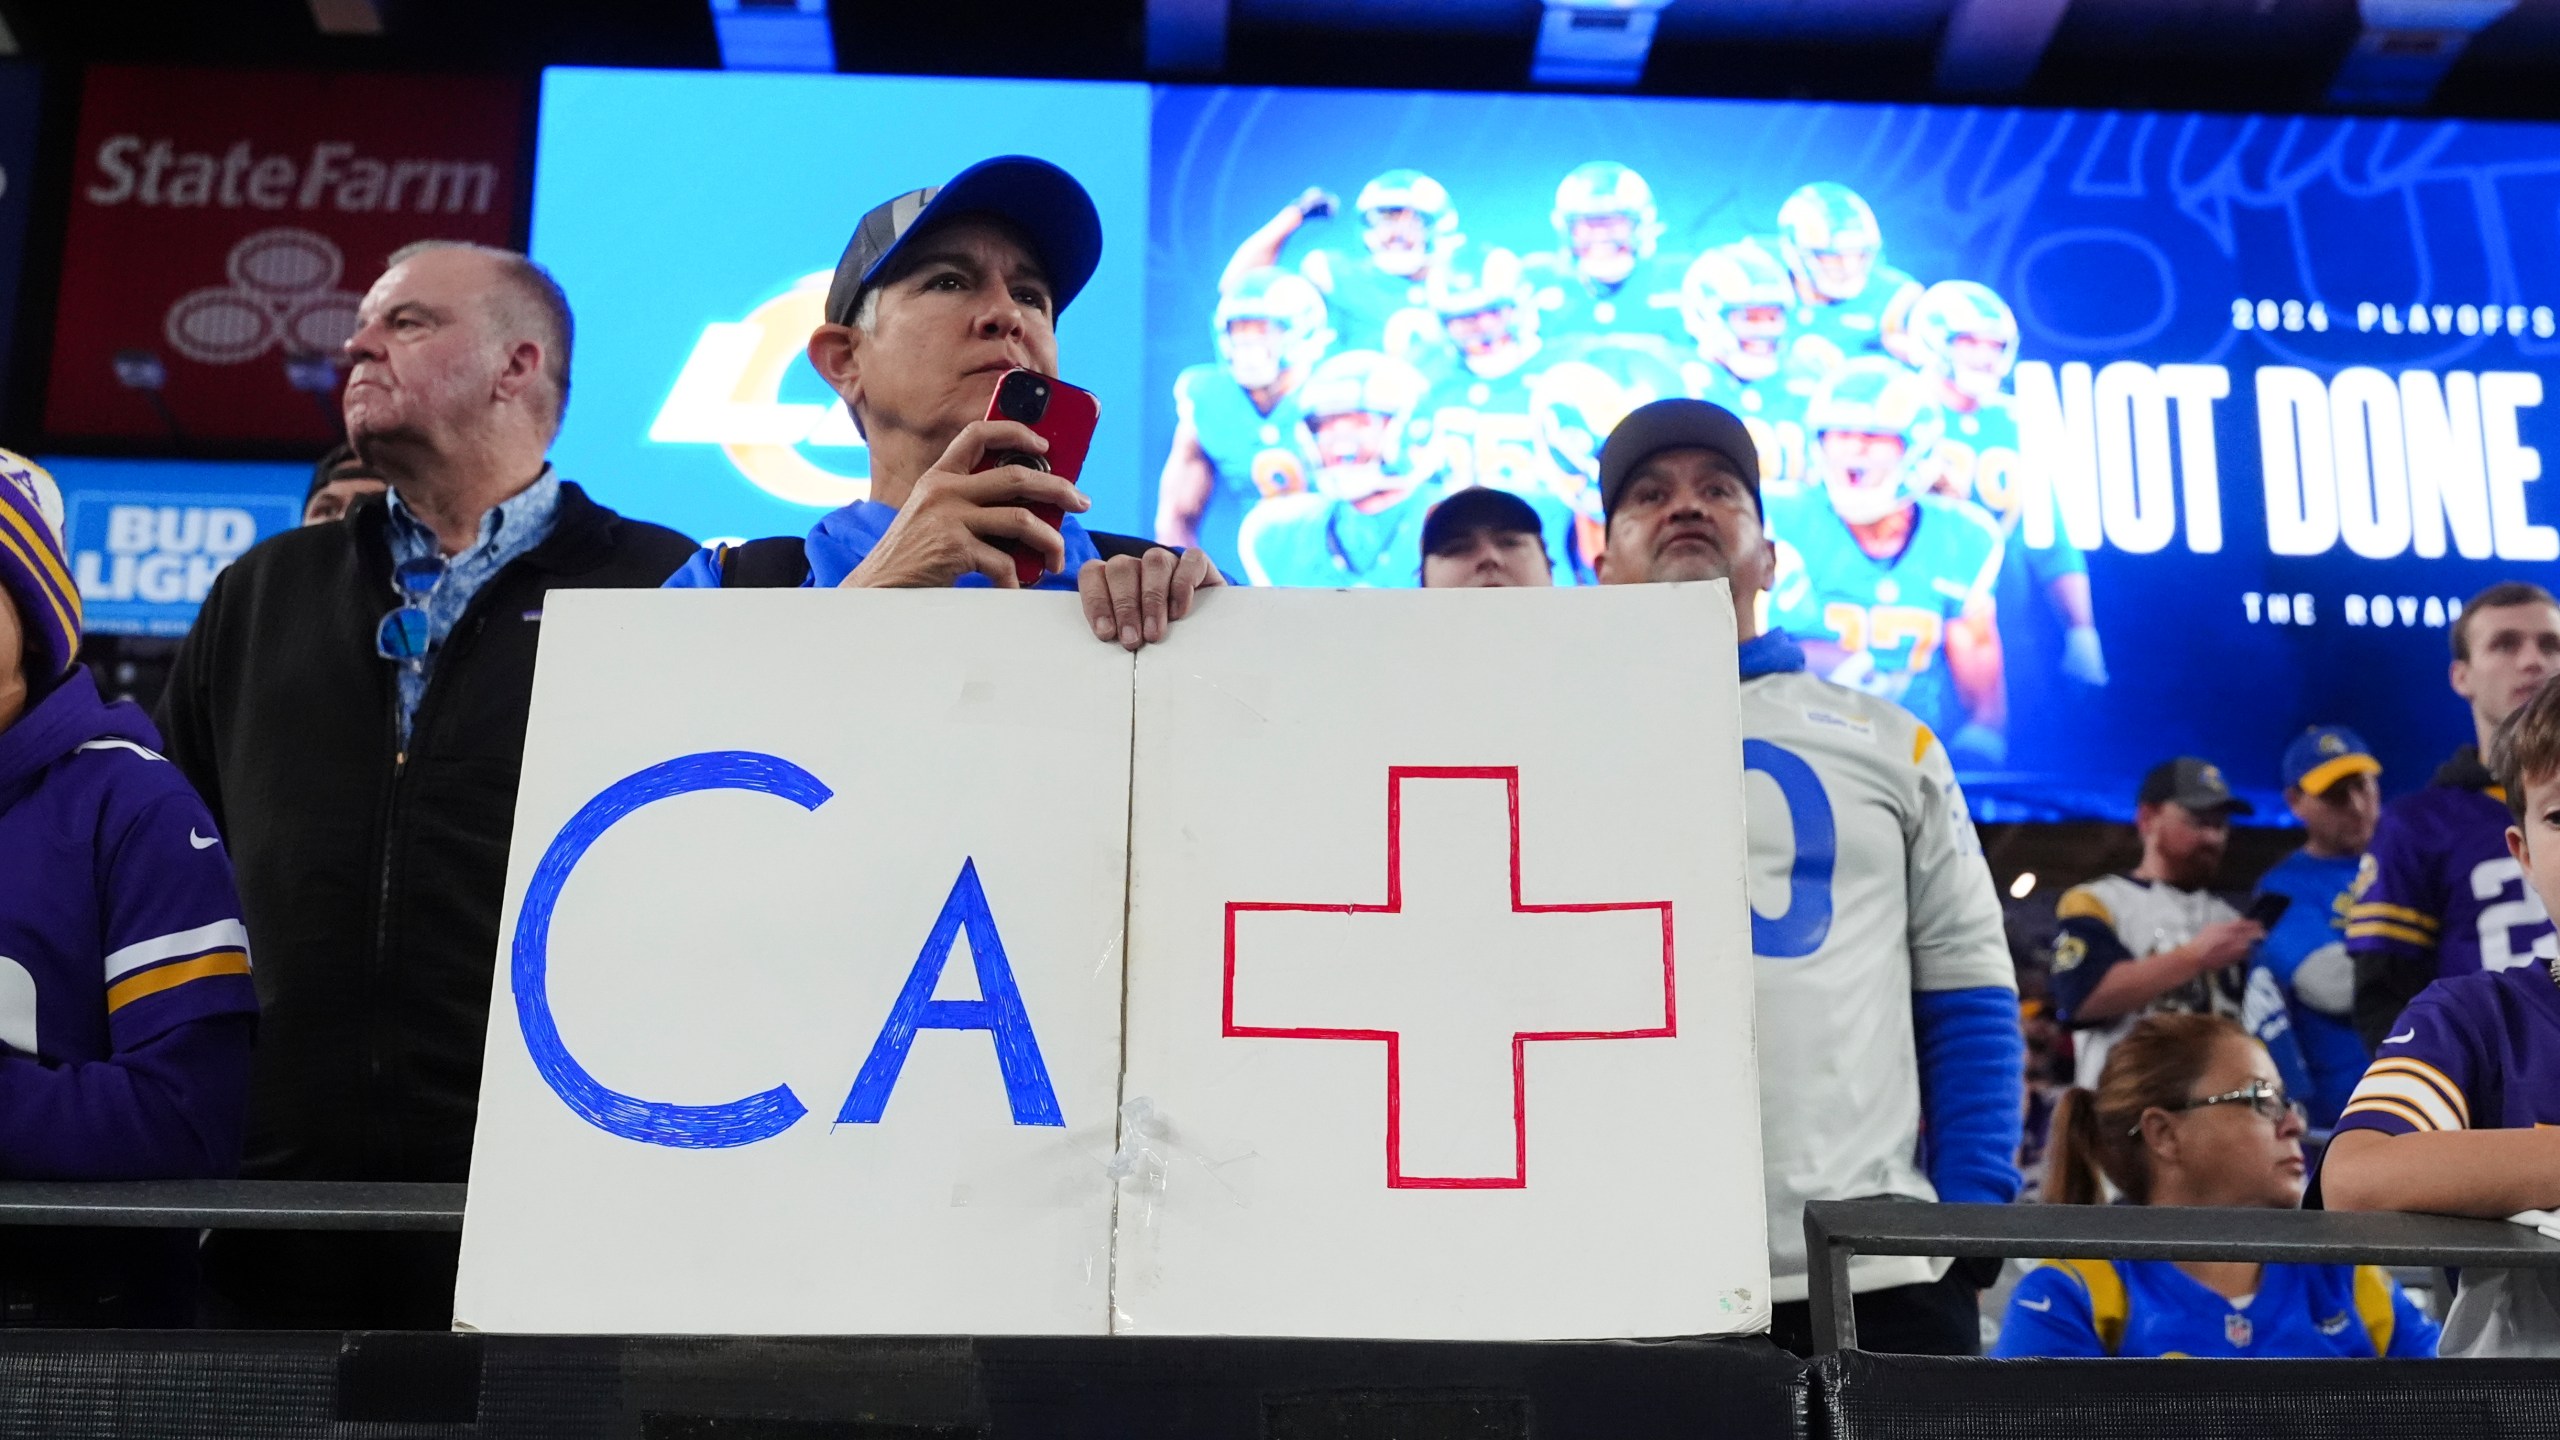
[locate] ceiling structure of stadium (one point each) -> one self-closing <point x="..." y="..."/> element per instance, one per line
<point x="2462" y="57"/>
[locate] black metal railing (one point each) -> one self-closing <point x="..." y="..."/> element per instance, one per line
<point x="233" y="1204"/>
<point x="1835" y="1230"/>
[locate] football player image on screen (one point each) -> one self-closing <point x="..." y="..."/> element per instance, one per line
<point x="1360" y="522"/>
<point x="1734" y="303"/>
<point x="1896" y="595"/>
<point x="1475" y="416"/>
<point x="1574" y="404"/>
<point x="1848" y="301"/>
<point x="1375" y="290"/>
<point x="1235" y="437"/>
<point x="1967" y="339"/>
<point x="1605" y="276"/>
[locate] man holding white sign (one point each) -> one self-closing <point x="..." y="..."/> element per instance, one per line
<point x="940" y="293"/>
<point x="1887" y="1003"/>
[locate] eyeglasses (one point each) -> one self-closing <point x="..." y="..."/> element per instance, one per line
<point x="405" y="634"/>
<point x="2268" y="1100"/>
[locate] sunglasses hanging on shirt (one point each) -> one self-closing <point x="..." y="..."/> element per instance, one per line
<point x="405" y="634"/>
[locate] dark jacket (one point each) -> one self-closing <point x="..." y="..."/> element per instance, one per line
<point x="370" y="879"/>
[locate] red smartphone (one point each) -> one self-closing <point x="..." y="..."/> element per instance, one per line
<point x="1064" y="416"/>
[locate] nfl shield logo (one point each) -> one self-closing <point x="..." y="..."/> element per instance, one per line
<point x="2237" y="1329"/>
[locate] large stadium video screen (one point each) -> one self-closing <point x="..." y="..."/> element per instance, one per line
<point x="2091" y="437"/>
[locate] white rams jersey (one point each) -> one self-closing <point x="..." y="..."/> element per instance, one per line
<point x="1867" y="884"/>
<point x="2145" y="919"/>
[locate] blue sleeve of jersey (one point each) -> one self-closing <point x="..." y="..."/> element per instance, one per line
<point x="1973" y="1059"/>
<point x="2413" y="1335"/>
<point x="2083" y="952"/>
<point x="2048" y="1316"/>
<point x="171" y="1108"/>
<point x="2268" y="1010"/>
<point x="701" y="572"/>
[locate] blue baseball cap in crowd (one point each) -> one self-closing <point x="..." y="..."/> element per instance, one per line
<point x="1045" y="201"/>
<point x="2324" y="755"/>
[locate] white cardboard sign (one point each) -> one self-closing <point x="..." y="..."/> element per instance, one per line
<point x="1439" y="972"/>
<point x="808" y="1018"/>
<point x="636" y="1172"/>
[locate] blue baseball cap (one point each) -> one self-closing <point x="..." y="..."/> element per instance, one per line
<point x="2324" y="755"/>
<point x="1045" y="201"/>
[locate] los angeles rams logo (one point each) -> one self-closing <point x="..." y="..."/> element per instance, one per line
<point x="730" y="395"/>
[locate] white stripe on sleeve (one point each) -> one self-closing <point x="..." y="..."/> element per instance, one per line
<point x="220" y="935"/>
<point x="2411" y="1091"/>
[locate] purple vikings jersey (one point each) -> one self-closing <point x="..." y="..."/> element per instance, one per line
<point x="2438" y="891"/>
<point x="2472" y="1052"/>
<point x="118" y="922"/>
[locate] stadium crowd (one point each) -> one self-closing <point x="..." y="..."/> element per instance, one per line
<point x="254" y="933"/>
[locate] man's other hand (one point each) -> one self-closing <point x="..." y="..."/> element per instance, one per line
<point x="1132" y="598"/>
<point x="957" y="522"/>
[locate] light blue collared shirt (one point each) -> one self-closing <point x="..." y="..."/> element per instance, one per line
<point x="512" y="527"/>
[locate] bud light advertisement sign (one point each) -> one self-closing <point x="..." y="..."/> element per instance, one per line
<point x="148" y="537"/>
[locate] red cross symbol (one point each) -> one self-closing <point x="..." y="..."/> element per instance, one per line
<point x="1455" y="974"/>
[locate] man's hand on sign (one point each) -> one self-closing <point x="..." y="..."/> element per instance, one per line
<point x="956" y="522"/>
<point x="1131" y="598"/>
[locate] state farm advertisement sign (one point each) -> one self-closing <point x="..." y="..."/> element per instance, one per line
<point x="224" y="224"/>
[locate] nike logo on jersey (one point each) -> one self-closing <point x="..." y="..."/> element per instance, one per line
<point x="2038" y="1306"/>
<point x="200" y="842"/>
<point x="2410" y="1034"/>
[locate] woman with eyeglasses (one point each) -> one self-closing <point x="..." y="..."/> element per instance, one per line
<point x="2189" y="1110"/>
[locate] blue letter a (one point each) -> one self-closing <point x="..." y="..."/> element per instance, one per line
<point x="999" y="1013"/>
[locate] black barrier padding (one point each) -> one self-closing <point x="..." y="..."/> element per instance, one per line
<point x="247" y="1385"/>
<point x="1143" y="1387"/>
<point x="655" y="1426"/>
<point x="409" y="1377"/>
<point x="1867" y="1397"/>
<point x="1367" y="1415"/>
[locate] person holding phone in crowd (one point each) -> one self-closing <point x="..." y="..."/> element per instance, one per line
<point x="940" y="293"/>
<point x="2158" y="938"/>
<point x="2189" y="1110"/>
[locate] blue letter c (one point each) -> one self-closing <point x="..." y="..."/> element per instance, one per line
<point x="695" y="1127"/>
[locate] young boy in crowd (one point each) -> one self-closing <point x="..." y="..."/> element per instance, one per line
<point x="2449" y="1117"/>
<point x="126" y="1011"/>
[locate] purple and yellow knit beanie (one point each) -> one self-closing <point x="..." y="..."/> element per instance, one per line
<point x="32" y="567"/>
